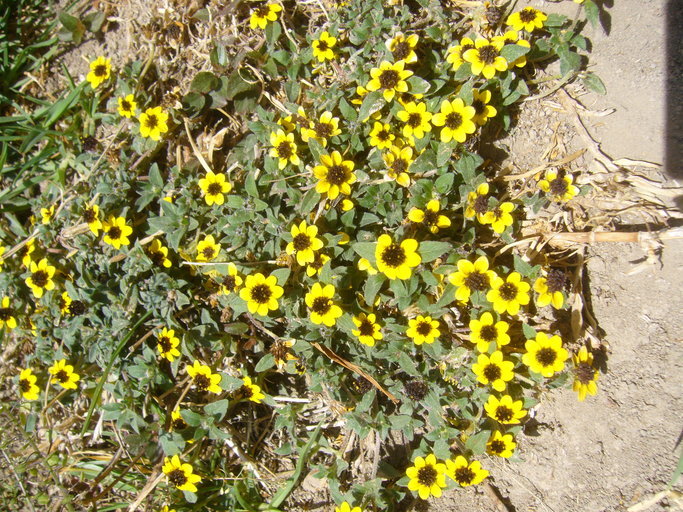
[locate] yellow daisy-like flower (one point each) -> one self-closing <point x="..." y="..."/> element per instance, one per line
<point x="250" y="391"/>
<point x="7" y="318"/>
<point x="158" y="253"/>
<point x="40" y="279"/>
<point x="501" y="445"/>
<point x="512" y="37"/>
<point x="116" y="232"/>
<point x="482" y="110"/>
<point x="528" y="19"/>
<point x="427" y="476"/>
<point x="505" y="411"/>
<point x="177" y="421"/>
<point x="231" y="282"/>
<point x="390" y="78"/>
<point x="261" y="293"/>
<point x="213" y="187"/>
<point x="263" y="14"/>
<point x="153" y="123"/>
<point x="315" y="266"/>
<point x="284" y="148"/>
<point x="304" y="243"/>
<point x="64" y="303"/>
<point x="365" y="266"/>
<point x="91" y="215"/>
<point x="423" y="329"/>
<point x="47" y="214"/>
<point x="335" y="174"/>
<point x="368" y="330"/>
<point x="493" y="370"/>
<point x="406" y="97"/>
<point x="26" y="251"/>
<point x="2" y="260"/>
<point x="478" y="203"/>
<point x="585" y="376"/>
<point x="322" y="129"/>
<point x="465" y="473"/>
<point x="416" y="119"/>
<point x="508" y="295"/>
<point x="63" y="374"/>
<point x="545" y="355"/>
<point x="485" y="331"/>
<point x="430" y="217"/>
<point x="471" y="277"/>
<point x="100" y="70"/>
<point x="203" y="379"/>
<point x="166" y="509"/>
<point x="281" y="352"/>
<point x="398" y="162"/>
<point x="322" y="47"/>
<point x="395" y="260"/>
<point x="207" y="249"/>
<point x="402" y="48"/>
<point x="456" y="119"/>
<point x="550" y="288"/>
<point x="127" y="106"/>
<point x="167" y="344"/>
<point x="455" y="53"/>
<point x="322" y="309"/>
<point x="485" y="58"/>
<point x="500" y="217"/>
<point x="345" y="507"/>
<point x="180" y="475"/>
<point x="27" y="385"/>
<point x="381" y="136"/>
<point x="558" y="187"/>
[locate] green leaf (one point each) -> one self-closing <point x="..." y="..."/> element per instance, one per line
<point x="423" y="163"/>
<point x="592" y="12"/>
<point x="444" y="183"/>
<point x="236" y="328"/>
<point x="372" y="102"/>
<point x="217" y="408"/>
<point x="250" y="185"/>
<point x="477" y="442"/>
<point x="273" y="31"/>
<point x="593" y="83"/>
<point x="74" y="27"/>
<point x="512" y="52"/>
<point x="429" y="251"/>
<point x="398" y="288"/>
<point x="309" y="201"/>
<point x="347" y="110"/>
<point x="522" y="266"/>
<point x="373" y="284"/>
<point x="265" y="363"/>
<point x="556" y="20"/>
<point x="205" y="82"/>
<point x="281" y="274"/>
<point x="366" y="250"/>
<point x="418" y="85"/>
<point x="316" y="148"/>
<point x="529" y="332"/>
<point x="191" y="418"/>
<point x="94" y="20"/>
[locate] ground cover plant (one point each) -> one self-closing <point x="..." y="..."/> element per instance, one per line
<point x="300" y="262"/>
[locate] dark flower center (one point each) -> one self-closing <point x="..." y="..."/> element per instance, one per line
<point x="493" y="14"/>
<point x="245" y="392"/>
<point x="317" y="262"/>
<point x="546" y="356"/>
<point x="427" y="475"/>
<point x="479" y="107"/>
<point x="301" y="242"/>
<point x="323" y="130"/>
<point x="414" y="120"/>
<point x="389" y="79"/>
<point x="214" y="189"/>
<point x="401" y="50"/>
<point x="89" y="143"/>
<point x="399" y="165"/>
<point x="504" y="413"/>
<point x="202" y="382"/>
<point x="229" y="283"/>
<point x="431" y="218"/>
<point x="62" y="303"/>
<point x="62" y="376"/>
<point x="322" y="46"/>
<point x="321" y="305"/>
<point x="508" y="291"/>
<point x="152" y="121"/>
<point x="466" y="47"/>
<point x="336" y="174"/>
<point x="497" y="447"/>
<point x="177" y="477"/>
<point x="424" y="328"/>
<point x="208" y="252"/>
<point x="464" y="476"/>
<point x="100" y="70"/>
<point x="393" y="255"/>
<point x="383" y="135"/>
<point x="558" y="186"/>
<point x="556" y="280"/>
<point x="477" y="281"/>
<point x="453" y="120"/>
<point x="125" y="105"/>
<point x="178" y="424"/>
<point x="157" y="258"/>
<point x="6" y="314"/>
<point x="416" y="389"/>
<point x="77" y="308"/>
<point x="527" y="15"/>
<point x="481" y="205"/>
<point x="40" y="278"/>
<point x="366" y="328"/>
<point x="284" y="150"/>
<point x="279" y="350"/>
<point x="488" y="54"/>
<point x="492" y="372"/>
<point x="261" y="293"/>
<point x="114" y="233"/>
<point x="89" y="215"/>
<point x="165" y="344"/>
<point x="262" y="11"/>
<point x="584" y="373"/>
<point x="24" y="385"/>
<point x="361" y="385"/>
<point x="488" y="333"/>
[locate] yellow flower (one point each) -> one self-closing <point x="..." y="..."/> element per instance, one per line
<point x="322" y="309"/>
<point x="153" y="123"/>
<point x="500" y="217"/>
<point x="127" y="106"/>
<point x="484" y="332"/>
<point x="91" y="215"/>
<point x="261" y="293"/>
<point x="177" y="421"/>
<point x="27" y="385"/>
<point x="314" y="267"/>
<point x="321" y="130"/>
<point x="64" y="303"/>
<point x="40" y="279"/>
<point x="478" y="203"/>
<point x="47" y="213"/>
<point x="167" y="345"/>
<point x="304" y="243"/>
<point x="396" y="260"/>
<point x="335" y="174"/>
<point x="381" y="136"/>
<point x="398" y="161"/>
<point x="281" y="352"/>
<point x="493" y="370"/>
<point x="430" y="216"/>
<point x="505" y="411"/>
<point x="427" y="477"/>
<point x="345" y="507"/>
<point x="368" y="330"/>
<point x="585" y="376"/>
<point x="365" y="265"/>
<point x="7" y="315"/>
<point x="509" y="294"/>
<point x="406" y="97"/>
<point x="213" y="187"/>
<point x="63" y="374"/>
<point x="545" y="355"/>
<point x="390" y="78"/>
<point x="250" y="391"/>
<point x="159" y="254"/>
<point x="203" y="379"/>
<point x="512" y="37"/>
<point x="482" y="110"/>
<point x="26" y="251"/>
<point x="2" y="260"/>
<point x="464" y="473"/>
<point x="416" y="119"/>
<point x="550" y="289"/>
<point x="207" y="249"/>
<point x="263" y="14"/>
<point x="501" y="445"/>
<point x="455" y="53"/>
<point x="456" y="119"/>
<point x="558" y="187"/>
<point x="322" y="47"/>
<point x="166" y="509"/>
<point x="423" y="330"/>
<point x="100" y="70"/>
<point x="471" y="277"/>
<point x="180" y="475"/>
<point x="403" y="48"/>
<point x="116" y="232"/>
<point x="485" y="58"/>
<point x="528" y="19"/>
<point x="284" y="148"/>
<point x="231" y="282"/>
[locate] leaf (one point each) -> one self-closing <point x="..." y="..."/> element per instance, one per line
<point x="445" y="152"/>
<point x="309" y="201"/>
<point x="316" y="148"/>
<point x="94" y="21"/>
<point x="236" y="328"/>
<point x="372" y="102"/>
<point x="73" y="26"/>
<point x="423" y="163"/>
<point x="366" y="250"/>
<point x="191" y="418"/>
<point x="444" y="183"/>
<point x="467" y="165"/>
<point x="512" y="52"/>
<point x="556" y="20"/>
<point x="281" y="274"/>
<point x="529" y="332"/>
<point x="592" y="12"/>
<point x="477" y="442"/>
<point x="429" y="251"/>
<point x="347" y="110"/>
<point x="398" y="288"/>
<point x="265" y="363"/>
<point x="273" y="31"/>
<point x="593" y="83"/>
<point x="250" y="185"/>
<point x="522" y="266"/>
<point x="217" y="408"/>
<point x="205" y="82"/>
<point x="373" y="284"/>
<point x="418" y="85"/>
